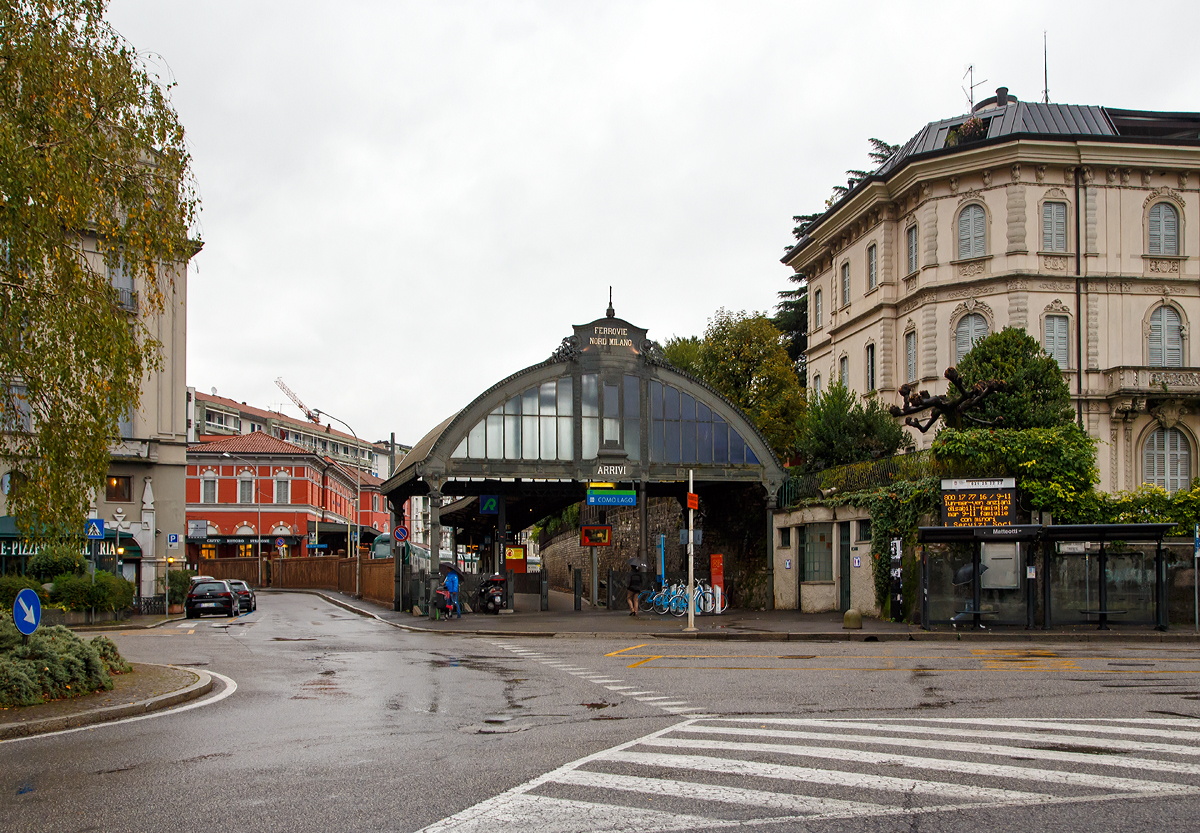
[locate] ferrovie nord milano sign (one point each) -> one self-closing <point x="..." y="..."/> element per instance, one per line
<point x="610" y="335"/>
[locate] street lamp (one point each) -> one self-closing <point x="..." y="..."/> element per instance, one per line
<point x="258" y="504"/>
<point x="357" y="504"/>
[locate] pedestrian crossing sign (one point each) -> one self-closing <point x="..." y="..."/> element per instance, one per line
<point x="95" y="529"/>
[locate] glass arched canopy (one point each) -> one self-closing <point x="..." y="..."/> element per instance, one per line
<point x="604" y="406"/>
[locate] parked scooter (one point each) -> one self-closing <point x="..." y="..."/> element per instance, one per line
<point x="490" y="596"/>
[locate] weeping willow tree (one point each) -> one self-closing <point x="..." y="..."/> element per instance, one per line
<point x="96" y="201"/>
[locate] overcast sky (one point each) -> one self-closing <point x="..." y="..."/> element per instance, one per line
<point x="404" y="203"/>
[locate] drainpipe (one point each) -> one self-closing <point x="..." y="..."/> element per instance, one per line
<point x="1078" y="308"/>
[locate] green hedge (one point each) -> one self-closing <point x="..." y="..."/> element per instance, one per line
<point x="10" y="586"/>
<point x="180" y="582"/>
<point x="109" y="592"/>
<point x="54" y="664"/>
<point x="55" y="560"/>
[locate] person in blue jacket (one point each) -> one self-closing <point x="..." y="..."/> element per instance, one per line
<point x="451" y="583"/>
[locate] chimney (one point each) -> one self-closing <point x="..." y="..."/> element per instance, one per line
<point x="1002" y="96"/>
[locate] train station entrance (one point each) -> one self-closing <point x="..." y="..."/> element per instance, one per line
<point x="604" y="408"/>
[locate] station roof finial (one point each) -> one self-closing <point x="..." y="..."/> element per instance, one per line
<point x="611" y="312"/>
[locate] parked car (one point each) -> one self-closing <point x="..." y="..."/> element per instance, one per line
<point x="212" y="596"/>
<point x="196" y="579"/>
<point x="245" y="594"/>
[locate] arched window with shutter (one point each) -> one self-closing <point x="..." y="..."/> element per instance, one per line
<point x="1164" y="230"/>
<point x="817" y="322"/>
<point x="1167" y="460"/>
<point x="971" y="327"/>
<point x="1166" y="338"/>
<point x="972" y="232"/>
<point x="910" y="352"/>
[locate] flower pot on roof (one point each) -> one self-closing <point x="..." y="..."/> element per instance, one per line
<point x="972" y="130"/>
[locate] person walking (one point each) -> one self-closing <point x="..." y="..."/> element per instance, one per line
<point x="635" y="587"/>
<point x="451" y="583"/>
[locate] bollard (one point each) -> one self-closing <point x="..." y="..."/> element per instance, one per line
<point x="545" y="590"/>
<point x="852" y="620"/>
<point x="578" y="589"/>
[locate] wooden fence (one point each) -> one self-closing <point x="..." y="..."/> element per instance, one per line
<point x="243" y="569"/>
<point x="321" y="573"/>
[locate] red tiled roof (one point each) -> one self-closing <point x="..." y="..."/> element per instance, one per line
<point x="258" y="442"/>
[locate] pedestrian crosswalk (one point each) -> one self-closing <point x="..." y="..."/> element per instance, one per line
<point x="710" y="772"/>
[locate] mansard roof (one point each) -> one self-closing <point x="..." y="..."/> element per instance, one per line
<point x="1028" y="120"/>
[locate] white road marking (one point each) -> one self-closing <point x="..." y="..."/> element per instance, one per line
<point x="524" y="808"/>
<point x="651" y="699"/>
<point x="230" y="688"/>
<point x="1045" y="776"/>
<point x="808" y="775"/>
<point x="714" y="792"/>
<point x="954" y="746"/>
<point x="1059" y="740"/>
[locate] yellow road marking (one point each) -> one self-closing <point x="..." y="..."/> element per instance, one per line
<point x="643" y="662"/>
<point x="843" y="669"/>
<point x="630" y="648"/>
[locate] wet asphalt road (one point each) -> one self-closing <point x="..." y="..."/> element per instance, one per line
<point x="343" y="723"/>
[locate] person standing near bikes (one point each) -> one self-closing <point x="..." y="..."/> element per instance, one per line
<point x="635" y="586"/>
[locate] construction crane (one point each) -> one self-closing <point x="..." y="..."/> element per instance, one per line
<point x="292" y="396"/>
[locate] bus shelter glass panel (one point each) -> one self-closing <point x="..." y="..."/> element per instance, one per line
<point x="1075" y="587"/>
<point x="1001" y="584"/>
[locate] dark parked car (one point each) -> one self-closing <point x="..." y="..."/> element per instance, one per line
<point x="245" y="594"/>
<point x="211" y="597"/>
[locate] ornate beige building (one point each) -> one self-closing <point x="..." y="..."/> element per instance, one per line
<point x="1079" y="224"/>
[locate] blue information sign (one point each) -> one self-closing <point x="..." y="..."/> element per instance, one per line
<point x="489" y="504"/>
<point x="612" y="497"/>
<point x="95" y="529"/>
<point x="27" y="611"/>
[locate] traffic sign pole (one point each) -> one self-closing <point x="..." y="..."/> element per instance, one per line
<point x="691" y="605"/>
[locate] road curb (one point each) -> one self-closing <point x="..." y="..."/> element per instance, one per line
<point x="121" y="627"/>
<point x="784" y="636"/>
<point x="202" y="686"/>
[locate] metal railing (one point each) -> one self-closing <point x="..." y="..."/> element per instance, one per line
<point x="126" y="299"/>
<point x="871" y="474"/>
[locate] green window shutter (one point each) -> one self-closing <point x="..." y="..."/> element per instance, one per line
<point x="1054" y="227"/>
<point x="1156" y="229"/>
<point x="964" y="234"/>
<point x="870" y="367"/>
<point x="845" y="284"/>
<point x="912" y="249"/>
<point x="971" y="328"/>
<point x="978" y="231"/>
<point x="1056" y="339"/>
<point x="1170" y="230"/>
<point x="1155" y="351"/>
<point x="910" y="348"/>
<point x="872" y="274"/>
<point x="1172" y="339"/>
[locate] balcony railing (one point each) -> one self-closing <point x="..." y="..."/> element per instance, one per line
<point x="126" y="299"/>
<point x="1152" y="380"/>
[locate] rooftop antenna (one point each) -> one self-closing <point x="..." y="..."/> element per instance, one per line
<point x="611" y="312"/>
<point x="1045" y="70"/>
<point x="969" y="91"/>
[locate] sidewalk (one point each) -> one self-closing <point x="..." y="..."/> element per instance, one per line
<point x="739" y="625"/>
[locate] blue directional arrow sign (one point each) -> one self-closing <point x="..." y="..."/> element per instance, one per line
<point x="95" y="529"/>
<point x="27" y="611"/>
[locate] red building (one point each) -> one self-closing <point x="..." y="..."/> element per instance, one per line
<point x="252" y="492"/>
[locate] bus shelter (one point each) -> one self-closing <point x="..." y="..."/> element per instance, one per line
<point x="1086" y="574"/>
